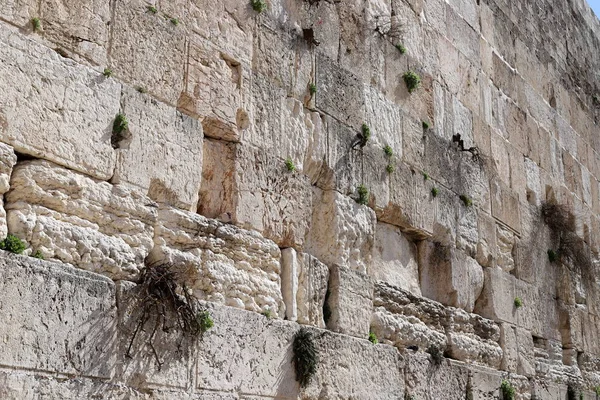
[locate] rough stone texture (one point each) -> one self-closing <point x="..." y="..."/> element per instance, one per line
<point x="342" y="231"/>
<point x="54" y="108"/>
<point x="56" y="319"/>
<point x="162" y="152"/>
<point x="220" y="263"/>
<point x="78" y="220"/>
<point x="304" y="281"/>
<point x="8" y="159"/>
<point x="349" y="302"/>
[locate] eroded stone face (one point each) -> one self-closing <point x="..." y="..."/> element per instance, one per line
<point x="76" y="219"/>
<point x="219" y="262"/>
<point x="8" y="159"/>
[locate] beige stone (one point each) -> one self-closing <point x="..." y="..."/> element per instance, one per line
<point x="8" y="159"/>
<point x="69" y="111"/>
<point x="162" y="154"/>
<point x="219" y="262"/>
<point x="76" y="219"/>
<point x="497" y="298"/>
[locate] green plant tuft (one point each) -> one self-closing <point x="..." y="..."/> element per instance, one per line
<point x="38" y="254"/>
<point x="425" y="176"/>
<point x="13" y="244"/>
<point x="267" y="313"/>
<point x="305" y="357"/>
<point x="597" y="390"/>
<point x="408" y="396"/>
<point x="152" y="9"/>
<point x="466" y="200"/>
<point x="388" y="150"/>
<point x="366" y="132"/>
<point x="434" y="191"/>
<point x="412" y="81"/>
<point x="204" y="320"/>
<point x="363" y="195"/>
<point x="121" y="124"/>
<point x="258" y="5"/>
<point x="312" y="88"/>
<point x="425" y="125"/>
<point x="36" y="24"/>
<point x="390" y="168"/>
<point x="508" y="391"/>
<point x="401" y="48"/>
<point x="373" y="338"/>
<point x="107" y="72"/>
<point x="518" y="302"/>
<point x="289" y="164"/>
<point x="141" y="89"/>
<point x="436" y="354"/>
<point x="174" y="21"/>
<point x="552" y="256"/>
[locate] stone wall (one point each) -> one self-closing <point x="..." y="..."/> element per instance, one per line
<point x="467" y="224"/>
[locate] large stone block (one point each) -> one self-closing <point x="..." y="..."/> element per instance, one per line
<point x="219" y="262"/>
<point x="162" y="155"/>
<point x="349" y="302"/>
<point x="56" y="319"/>
<point x="342" y="232"/>
<point x="449" y="276"/>
<point x="505" y="205"/>
<point x="395" y="259"/>
<point x="18" y="12"/>
<point x="498" y="296"/>
<point x="426" y="380"/>
<point x="69" y="111"/>
<point x="304" y="281"/>
<point x="148" y="50"/>
<point x="8" y="159"/>
<point x="76" y="219"/>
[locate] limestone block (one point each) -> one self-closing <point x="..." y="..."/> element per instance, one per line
<point x="424" y="380"/>
<point x="56" y="319"/>
<point x="148" y="50"/>
<point x="462" y="35"/>
<point x="341" y="94"/>
<point x="80" y="27"/>
<point x="385" y="120"/>
<point x="304" y="282"/>
<point x="349" y="301"/>
<point x="497" y="298"/>
<point x="254" y="190"/>
<point x="449" y="276"/>
<point x="8" y="159"/>
<point x="69" y="111"/>
<point x="540" y="312"/>
<point x="486" y="247"/>
<point x="217" y="91"/>
<point x="76" y="219"/>
<point x="505" y="205"/>
<point x="341" y="231"/>
<point x="395" y="259"/>
<point x="163" y="154"/>
<point x="18" y="12"/>
<point x="402" y="319"/>
<point x="485" y="383"/>
<point x="220" y="263"/>
<point x="505" y="248"/>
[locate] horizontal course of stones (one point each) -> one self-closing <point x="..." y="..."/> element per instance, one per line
<point x="218" y="97"/>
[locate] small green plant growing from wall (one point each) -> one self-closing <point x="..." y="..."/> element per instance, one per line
<point x="205" y="321"/>
<point x="597" y="390"/>
<point x="306" y="356"/>
<point x="390" y="168"/>
<point x="141" y="89"/>
<point x="152" y="9"/>
<point x="425" y="125"/>
<point x="467" y="201"/>
<point x="373" y="338"/>
<point x="507" y="389"/>
<point x="258" y="5"/>
<point x="552" y="256"/>
<point x="412" y="81"/>
<point x="174" y="21"/>
<point x="121" y="124"/>
<point x="425" y="176"/>
<point x="434" y="191"/>
<point x="363" y="195"/>
<point x="36" y="24"/>
<point x="267" y="313"/>
<point x="312" y="89"/>
<point x="107" y="72"/>
<point x="289" y="165"/>
<point x="518" y="302"/>
<point x="13" y="244"/>
<point x="366" y="134"/>
<point x="38" y="254"/>
<point x="401" y="48"/>
<point x="387" y="149"/>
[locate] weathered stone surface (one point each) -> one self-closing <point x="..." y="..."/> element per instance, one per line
<point x="75" y="219"/>
<point x="349" y="302"/>
<point x="497" y="298"/>
<point x="54" y="108"/>
<point x="449" y="276"/>
<point x="162" y="155"/>
<point x="304" y="281"/>
<point x="8" y="159"/>
<point x="219" y="262"/>
<point x="56" y="319"/>
<point x="426" y="380"/>
<point x="395" y="259"/>
<point x="342" y="231"/>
